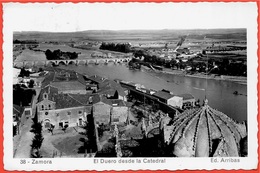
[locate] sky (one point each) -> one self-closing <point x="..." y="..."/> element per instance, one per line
<point x="68" y="17"/>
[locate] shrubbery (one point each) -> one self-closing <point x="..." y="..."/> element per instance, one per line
<point x="120" y="47"/>
<point x="58" y="55"/>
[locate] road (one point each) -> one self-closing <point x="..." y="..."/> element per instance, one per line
<point x="22" y="142"/>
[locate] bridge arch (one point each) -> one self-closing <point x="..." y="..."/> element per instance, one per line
<point x="71" y="62"/>
<point x="81" y="62"/>
<point x="101" y="61"/>
<point x="62" y="63"/>
<point x="91" y="61"/>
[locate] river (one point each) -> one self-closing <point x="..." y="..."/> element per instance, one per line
<point x="219" y="93"/>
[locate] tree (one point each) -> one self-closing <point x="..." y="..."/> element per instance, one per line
<point x="89" y="139"/>
<point x="51" y="128"/>
<point x="36" y="128"/>
<point x="31" y="83"/>
<point x="49" y="55"/>
<point x="65" y="128"/>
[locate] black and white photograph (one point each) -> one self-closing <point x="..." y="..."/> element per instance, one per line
<point x="131" y="85"/>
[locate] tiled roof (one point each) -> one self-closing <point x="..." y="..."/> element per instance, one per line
<point x="83" y="99"/>
<point x="57" y="77"/>
<point x="68" y="85"/>
<point x="111" y="86"/>
<point x="48" y="79"/>
<point x="117" y="102"/>
<point x="50" y="90"/>
<point x="200" y="129"/>
<point x="163" y="95"/>
<point x="66" y="101"/>
<point x="96" y="79"/>
<point x="100" y="98"/>
<point x="63" y="100"/>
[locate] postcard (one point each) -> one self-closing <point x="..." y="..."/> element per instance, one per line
<point x="130" y="86"/>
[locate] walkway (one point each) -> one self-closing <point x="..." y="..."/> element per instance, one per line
<point x="22" y="142"/>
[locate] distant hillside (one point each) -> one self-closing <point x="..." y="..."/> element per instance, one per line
<point x="132" y="35"/>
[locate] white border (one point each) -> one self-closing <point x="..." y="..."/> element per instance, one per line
<point x="69" y="17"/>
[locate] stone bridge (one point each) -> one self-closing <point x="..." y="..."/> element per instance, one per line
<point x="70" y="61"/>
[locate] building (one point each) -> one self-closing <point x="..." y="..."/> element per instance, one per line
<point x="65" y="81"/>
<point x="101" y="109"/>
<point x="188" y="100"/>
<point x="204" y="132"/>
<point x="95" y="79"/>
<point x="169" y="99"/>
<point x="112" y="90"/>
<point x="67" y="97"/>
<point x="109" y="111"/>
<point x="18" y="114"/>
<point x="60" y="109"/>
<point x="120" y="112"/>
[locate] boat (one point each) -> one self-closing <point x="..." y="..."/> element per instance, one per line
<point x="235" y="92"/>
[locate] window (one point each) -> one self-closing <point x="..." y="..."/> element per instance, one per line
<point x="69" y="113"/>
<point x="47" y="123"/>
<point x="42" y="107"/>
<point x="27" y="112"/>
<point x="57" y="114"/>
<point x="46" y="113"/>
<point x="61" y="124"/>
<point x="80" y="122"/>
<point x="45" y="95"/>
<point x="80" y="112"/>
<point x="67" y="123"/>
<point x="49" y="106"/>
<point x="116" y="119"/>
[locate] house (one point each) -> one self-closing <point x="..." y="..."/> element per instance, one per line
<point x="188" y="100"/>
<point x="60" y="109"/>
<point x="112" y="89"/>
<point x="169" y="99"/>
<point x="119" y="112"/>
<point x="95" y="79"/>
<point x="18" y="114"/>
<point x="101" y="109"/>
<point x="109" y="111"/>
<point x="66" y="81"/>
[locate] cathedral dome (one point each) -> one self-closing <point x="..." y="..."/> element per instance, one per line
<point x="204" y="132"/>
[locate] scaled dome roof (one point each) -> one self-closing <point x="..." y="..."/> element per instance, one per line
<point x="203" y="132"/>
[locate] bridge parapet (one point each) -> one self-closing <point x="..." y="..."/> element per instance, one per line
<point x="67" y="62"/>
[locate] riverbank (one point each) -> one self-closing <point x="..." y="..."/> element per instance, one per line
<point x="236" y="79"/>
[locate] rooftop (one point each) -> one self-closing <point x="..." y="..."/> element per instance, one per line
<point x="204" y="132"/>
<point x="97" y="79"/>
<point x="163" y="95"/>
<point x="111" y="86"/>
<point x="59" y="76"/>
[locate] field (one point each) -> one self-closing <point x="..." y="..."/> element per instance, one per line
<point x="133" y="36"/>
<point x="88" y="42"/>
